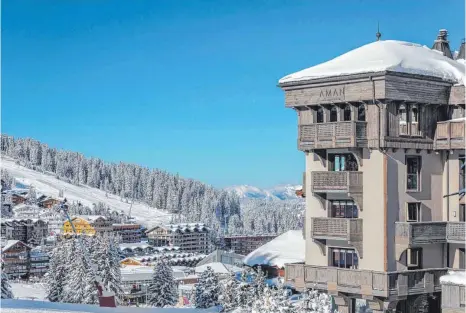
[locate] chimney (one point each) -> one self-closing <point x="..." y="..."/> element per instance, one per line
<point x="441" y="43"/>
<point x="461" y="53"/>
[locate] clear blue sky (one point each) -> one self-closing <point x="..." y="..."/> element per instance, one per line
<point x="186" y="86"/>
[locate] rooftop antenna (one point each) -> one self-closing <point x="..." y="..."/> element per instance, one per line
<point x="378" y="34"/>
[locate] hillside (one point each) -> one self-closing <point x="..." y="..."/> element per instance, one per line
<point x="48" y="184"/>
<point x="280" y="192"/>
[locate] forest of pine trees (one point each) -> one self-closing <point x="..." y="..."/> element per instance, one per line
<point x="190" y="200"/>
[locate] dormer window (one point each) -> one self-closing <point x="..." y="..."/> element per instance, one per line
<point x="347" y="113"/>
<point x="333" y="114"/>
<point x="320" y="115"/>
<point x="402" y="114"/>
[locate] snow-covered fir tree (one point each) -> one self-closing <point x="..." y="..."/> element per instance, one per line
<point x="228" y="291"/>
<point x="105" y="256"/>
<point x="273" y="300"/>
<point x="316" y="302"/>
<point x="55" y="278"/>
<point x="162" y="290"/>
<point x="7" y="293"/>
<point x="207" y="290"/>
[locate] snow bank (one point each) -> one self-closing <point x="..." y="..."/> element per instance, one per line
<point x="27" y="306"/>
<point x="218" y="268"/>
<point x="453" y="277"/>
<point x="28" y="291"/>
<point x="286" y="248"/>
<point x="386" y="55"/>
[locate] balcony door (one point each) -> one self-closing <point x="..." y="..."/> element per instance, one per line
<point x="344" y="258"/>
<point x="343" y="209"/>
<point x="343" y="162"/>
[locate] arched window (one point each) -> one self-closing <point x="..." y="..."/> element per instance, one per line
<point x="320" y="115"/>
<point x="347" y="113"/>
<point x="333" y="114"/>
<point x="414" y="118"/>
<point x="402" y="114"/>
<point x="362" y="113"/>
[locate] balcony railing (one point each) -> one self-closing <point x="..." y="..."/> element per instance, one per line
<point x="336" y="181"/>
<point x="413" y="233"/>
<point x="449" y="135"/>
<point x="347" y="134"/>
<point x="336" y="228"/>
<point x="456" y="232"/>
<point x="365" y="282"/>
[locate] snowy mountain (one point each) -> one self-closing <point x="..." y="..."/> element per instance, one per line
<point x="280" y="192"/>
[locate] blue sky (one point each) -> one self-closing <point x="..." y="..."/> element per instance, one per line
<point x="186" y="86"/>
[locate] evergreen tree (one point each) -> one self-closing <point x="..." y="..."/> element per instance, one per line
<point x="315" y="302"/>
<point x="6" y="287"/>
<point x="207" y="290"/>
<point x="162" y="289"/>
<point x="56" y="275"/>
<point x="228" y="290"/>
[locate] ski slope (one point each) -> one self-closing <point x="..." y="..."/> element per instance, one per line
<point x="49" y="185"/>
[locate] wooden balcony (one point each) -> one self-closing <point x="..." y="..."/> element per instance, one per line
<point x="419" y="233"/>
<point x="347" y="134"/>
<point x="449" y="135"/>
<point x="366" y="283"/>
<point x="336" y="228"/>
<point x="456" y="232"/>
<point x="349" y="182"/>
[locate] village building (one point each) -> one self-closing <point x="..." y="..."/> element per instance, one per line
<point x="225" y="257"/>
<point x="128" y="233"/>
<point x="190" y="237"/>
<point x="15" y="256"/>
<point x="245" y="244"/>
<point x="382" y="129"/>
<point x="28" y="230"/>
<point x="47" y="202"/>
<point x="39" y="261"/>
<point x="88" y="225"/>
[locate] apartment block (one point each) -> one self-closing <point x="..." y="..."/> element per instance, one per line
<point x="39" y="261"/>
<point x="245" y="244"/>
<point x="129" y="233"/>
<point x="15" y="256"/>
<point x="190" y="237"/>
<point x="382" y="131"/>
<point x="28" y="230"/>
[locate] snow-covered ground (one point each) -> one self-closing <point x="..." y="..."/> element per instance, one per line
<point x="48" y="184"/>
<point x="27" y="306"/>
<point x="28" y="291"/>
<point x="454" y="277"/>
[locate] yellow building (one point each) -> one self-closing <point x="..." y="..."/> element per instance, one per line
<point x="130" y="262"/>
<point x="82" y="227"/>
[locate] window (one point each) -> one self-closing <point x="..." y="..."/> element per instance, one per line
<point x="402" y="114"/>
<point x="320" y="115"/>
<point x="414" y="118"/>
<point x="343" y="162"/>
<point x="347" y="113"/>
<point x="462" y="213"/>
<point x="414" y="212"/>
<point x="413" y="167"/>
<point x="462" y="172"/>
<point x="362" y="113"/>
<point x="333" y="114"/>
<point x="344" y="258"/>
<point x="414" y="258"/>
<point x="344" y="209"/>
<point x="462" y="263"/>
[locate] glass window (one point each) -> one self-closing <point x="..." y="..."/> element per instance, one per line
<point x="414" y="212"/>
<point x="413" y="167"/>
<point x="414" y="115"/>
<point x="462" y="262"/>
<point x="343" y="162"/>
<point x="344" y="209"/>
<point x="402" y="114"/>
<point x="347" y="113"/>
<point x="320" y="115"/>
<point x="462" y="172"/>
<point x="414" y="258"/>
<point x="344" y="258"/>
<point x="333" y="114"/>
<point x="462" y="213"/>
<point x="362" y="113"/>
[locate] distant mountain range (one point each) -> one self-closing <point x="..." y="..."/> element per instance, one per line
<point x="281" y="192"/>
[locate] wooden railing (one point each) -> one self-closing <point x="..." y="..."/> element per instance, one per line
<point x="336" y="228"/>
<point x="412" y="233"/>
<point x="449" y="135"/>
<point x="327" y="181"/>
<point x="345" y="134"/>
<point x="365" y="282"/>
<point x="456" y="232"/>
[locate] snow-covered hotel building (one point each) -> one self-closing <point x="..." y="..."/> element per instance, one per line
<point x="382" y="130"/>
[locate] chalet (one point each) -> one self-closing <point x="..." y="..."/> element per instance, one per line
<point x="129" y="233"/>
<point x="15" y="256"/>
<point x="88" y="225"/>
<point x="190" y="237"/>
<point x="48" y="202"/>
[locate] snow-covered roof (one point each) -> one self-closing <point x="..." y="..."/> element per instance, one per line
<point x="140" y="245"/>
<point x="10" y="243"/>
<point x="183" y="227"/>
<point x="91" y="218"/>
<point x="286" y="248"/>
<point x="385" y="55"/>
<point x="454" y="277"/>
<point x="459" y="119"/>
<point x="218" y="268"/>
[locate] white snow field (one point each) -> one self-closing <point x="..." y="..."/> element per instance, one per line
<point x="385" y="55"/>
<point x="454" y="277"/>
<point x="286" y="248"/>
<point x="28" y="291"/>
<point x="49" y="185"/>
<point x="28" y="306"/>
